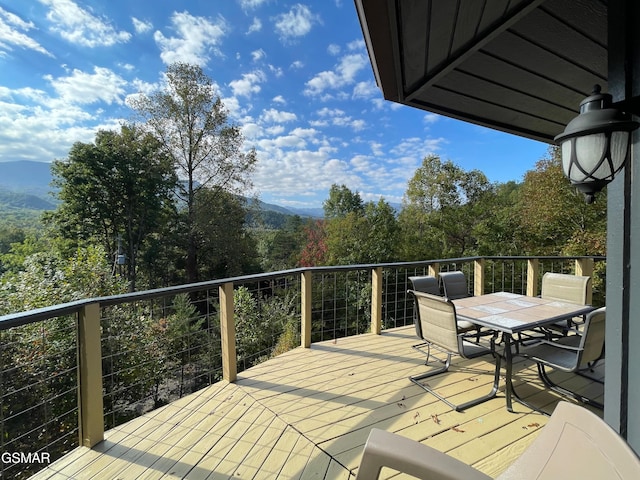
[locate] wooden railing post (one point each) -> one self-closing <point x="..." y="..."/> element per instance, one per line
<point x="228" y="334"/>
<point x="434" y="269"/>
<point x="584" y="266"/>
<point x="533" y="273"/>
<point x="478" y="277"/>
<point x="90" y="406"/>
<point x="376" y="300"/>
<point x="306" y="297"/>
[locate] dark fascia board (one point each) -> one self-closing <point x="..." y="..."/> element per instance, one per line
<point x="381" y="41"/>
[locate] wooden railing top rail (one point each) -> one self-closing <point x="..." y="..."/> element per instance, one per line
<point x="23" y="318"/>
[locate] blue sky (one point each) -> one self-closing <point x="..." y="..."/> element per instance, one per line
<point x="296" y="76"/>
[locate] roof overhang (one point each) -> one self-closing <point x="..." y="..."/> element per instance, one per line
<point x="519" y="66"/>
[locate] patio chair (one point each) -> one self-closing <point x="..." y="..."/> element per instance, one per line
<point x="426" y="284"/>
<point x="454" y="285"/>
<point x="437" y="317"/>
<point x="429" y="284"/>
<point x="552" y="455"/>
<point x="565" y="288"/>
<point x="573" y="354"/>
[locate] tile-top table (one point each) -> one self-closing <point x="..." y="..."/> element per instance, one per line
<point x="511" y="313"/>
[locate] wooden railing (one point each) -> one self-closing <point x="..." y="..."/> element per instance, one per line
<point x="386" y="281"/>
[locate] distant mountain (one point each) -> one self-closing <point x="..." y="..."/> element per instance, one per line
<point x="34" y="178"/>
<point x="11" y="200"/>
<point x="303" y="212"/>
<point x="26" y="177"/>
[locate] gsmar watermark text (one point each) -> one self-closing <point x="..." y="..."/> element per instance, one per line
<point x="23" y="457"/>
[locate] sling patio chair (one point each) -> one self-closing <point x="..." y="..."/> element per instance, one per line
<point x="439" y="326"/>
<point x="573" y="354"/>
<point x="565" y="288"/>
<point x="454" y="286"/>
<point x="572" y="430"/>
<point x="429" y="284"/>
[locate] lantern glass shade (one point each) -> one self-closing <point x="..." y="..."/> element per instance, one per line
<point x="598" y="156"/>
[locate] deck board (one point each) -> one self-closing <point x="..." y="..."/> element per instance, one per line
<point x="307" y="414"/>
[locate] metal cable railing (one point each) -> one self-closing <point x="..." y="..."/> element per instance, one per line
<point x="159" y="345"/>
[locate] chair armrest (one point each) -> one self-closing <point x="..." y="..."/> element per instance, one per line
<point x="384" y="449"/>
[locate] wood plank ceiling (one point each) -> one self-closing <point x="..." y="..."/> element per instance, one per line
<point x="520" y="66"/>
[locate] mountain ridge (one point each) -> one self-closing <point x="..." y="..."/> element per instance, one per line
<point x="28" y="183"/>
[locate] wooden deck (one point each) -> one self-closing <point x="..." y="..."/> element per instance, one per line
<point x="307" y="414"/>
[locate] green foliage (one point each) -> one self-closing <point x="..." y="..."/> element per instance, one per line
<point x="119" y="187"/>
<point x="225" y="247"/>
<point x="442" y="207"/>
<point x="192" y="124"/>
<point x="280" y="249"/>
<point x="342" y="202"/>
<point x="48" y="278"/>
<point x="39" y="361"/>
<point x="264" y="325"/>
<point x="554" y="217"/>
<point x="365" y="236"/>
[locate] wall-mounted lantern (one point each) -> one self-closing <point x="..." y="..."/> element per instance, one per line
<point x="595" y="144"/>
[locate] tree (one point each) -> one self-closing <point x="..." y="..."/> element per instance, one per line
<point x="501" y="232"/>
<point x="227" y="248"/>
<point x="555" y="218"/>
<point x="366" y="237"/>
<point x="314" y="252"/>
<point x="441" y="208"/>
<point x="113" y="190"/>
<point x="341" y="202"/>
<point x="192" y="124"/>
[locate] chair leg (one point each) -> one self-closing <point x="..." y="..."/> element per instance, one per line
<point x="542" y="373"/>
<point x="494" y="390"/>
<point x="420" y="346"/>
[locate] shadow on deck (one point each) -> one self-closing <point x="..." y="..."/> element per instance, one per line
<point x="307" y="414"/>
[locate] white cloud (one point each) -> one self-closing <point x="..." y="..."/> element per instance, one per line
<point x="297" y="65"/>
<point x="277" y="71"/>
<point x="376" y="148"/>
<point x="141" y="26"/>
<point x="277" y="116"/>
<point x="417" y="148"/>
<point x="297" y="22"/>
<point x="301" y="172"/>
<point x="248" y="84"/>
<point x="338" y="118"/>
<point x="365" y="90"/>
<point x="197" y="37"/>
<point x="11" y="33"/>
<point x="330" y="112"/>
<point x="430" y="118"/>
<point x="356" y="45"/>
<point x="85" y="88"/>
<point x="256" y="26"/>
<point x="81" y="27"/>
<point x="279" y="99"/>
<point x="275" y="130"/>
<point x="251" y="4"/>
<point x="251" y="131"/>
<point x="343" y="75"/>
<point x="258" y="54"/>
<point x="333" y="49"/>
<point x="35" y="126"/>
<point x="304" y="132"/>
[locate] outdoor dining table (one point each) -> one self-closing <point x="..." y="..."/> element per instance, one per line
<point x="511" y="313"/>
